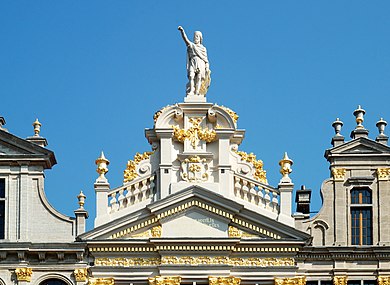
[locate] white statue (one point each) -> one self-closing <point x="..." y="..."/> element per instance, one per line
<point x="198" y="71"/>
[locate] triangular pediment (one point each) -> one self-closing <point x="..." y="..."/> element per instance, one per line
<point x="195" y="213"/>
<point x="359" y="146"/>
<point x="13" y="148"/>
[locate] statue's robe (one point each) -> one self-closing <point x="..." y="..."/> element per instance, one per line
<point x="197" y="59"/>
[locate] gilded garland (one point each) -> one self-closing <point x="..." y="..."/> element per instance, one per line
<point x="260" y="173"/>
<point x="130" y="172"/>
<point x="195" y="133"/>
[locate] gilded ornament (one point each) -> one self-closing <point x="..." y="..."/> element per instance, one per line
<point x="130" y="172"/>
<point x="101" y="281"/>
<point x="230" y="280"/>
<point x="102" y="162"/>
<point x="260" y="174"/>
<point x="291" y="281"/>
<point x="127" y="262"/>
<point x="195" y="133"/>
<point x="231" y="113"/>
<point x="156" y="231"/>
<point x="194" y="169"/>
<point x="340" y="280"/>
<point x="23" y="274"/>
<point x="80" y="274"/>
<point x="233" y="232"/>
<point x="165" y="280"/>
<point x="338" y="174"/>
<point x="383" y="280"/>
<point x="159" y="112"/>
<point x="383" y="173"/>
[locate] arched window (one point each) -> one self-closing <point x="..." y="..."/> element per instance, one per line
<point x="361" y="216"/>
<point x="52" y="282"/>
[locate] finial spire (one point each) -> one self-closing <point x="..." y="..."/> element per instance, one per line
<point x="359" y="114"/>
<point x="285" y="168"/>
<point x="382" y="137"/>
<point x="337" y="126"/>
<point x="37" y="127"/>
<point x="81" y="197"/>
<point x="102" y="162"/>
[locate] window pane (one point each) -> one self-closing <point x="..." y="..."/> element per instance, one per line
<point x="2" y="188"/>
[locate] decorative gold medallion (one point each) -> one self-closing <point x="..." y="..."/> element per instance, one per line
<point x="23" y="274"/>
<point x="80" y="274"/>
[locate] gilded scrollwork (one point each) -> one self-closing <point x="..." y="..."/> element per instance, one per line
<point x="23" y="274"/>
<point x="80" y="274"/>
<point x="195" y="133"/>
<point x="338" y="174"/>
<point x="340" y="280"/>
<point x="301" y="280"/>
<point x="383" y="173"/>
<point x="127" y="262"/>
<point x="156" y="231"/>
<point x="101" y="281"/>
<point x="231" y="113"/>
<point x="230" y="280"/>
<point x="383" y="280"/>
<point x="260" y="174"/>
<point x="165" y="280"/>
<point x="130" y="172"/>
<point x="233" y="232"/>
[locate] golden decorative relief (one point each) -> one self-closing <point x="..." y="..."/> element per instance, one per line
<point x="23" y="274"/>
<point x="233" y="232"/>
<point x="80" y="274"/>
<point x="340" y="280"/>
<point x="194" y="261"/>
<point x="165" y="280"/>
<point x="260" y="173"/>
<point x="127" y="262"/>
<point x="101" y="281"/>
<point x="383" y="280"/>
<point x="291" y="281"/>
<point x="338" y="174"/>
<point x="383" y="173"/>
<point x="159" y="112"/>
<point x="195" y="133"/>
<point x="194" y="169"/>
<point x="156" y="231"/>
<point x="231" y="113"/>
<point x="231" y="280"/>
<point x="130" y="172"/>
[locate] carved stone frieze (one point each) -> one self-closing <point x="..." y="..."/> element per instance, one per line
<point x="230" y="280"/>
<point x="194" y="169"/>
<point x="194" y="261"/>
<point x="23" y="274"/>
<point x="165" y="280"/>
<point x="301" y="280"/>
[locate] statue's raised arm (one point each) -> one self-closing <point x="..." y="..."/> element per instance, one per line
<point x="198" y="71"/>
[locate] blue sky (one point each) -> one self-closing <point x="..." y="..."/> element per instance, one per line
<point x="94" y="73"/>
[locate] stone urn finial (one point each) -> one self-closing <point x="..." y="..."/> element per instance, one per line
<point x="37" y="128"/>
<point x="337" y="126"/>
<point x="81" y="197"/>
<point x="285" y="168"/>
<point x="102" y="162"/>
<point x="381" y="125"/>
<point x="359" y="114"/>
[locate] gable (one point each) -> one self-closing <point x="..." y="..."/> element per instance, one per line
<point x="13" y="148"/>
<point x="359" y="146"/>
<point x="192" y="213"/>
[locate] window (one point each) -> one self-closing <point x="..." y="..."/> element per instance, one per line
<point x="52" y="282"/>
<point x="361" y="216"/>
<point x="2" y="208"/>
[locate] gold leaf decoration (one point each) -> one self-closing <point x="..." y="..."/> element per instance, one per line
<point x="260" y="174"/>
<point x="195" y="133"/>
<point x="130" y="172"/>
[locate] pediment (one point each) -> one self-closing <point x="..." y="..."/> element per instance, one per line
<point x="195" y="213"/>
<point x="13" y="148"/>
<point x="359" y="146"/>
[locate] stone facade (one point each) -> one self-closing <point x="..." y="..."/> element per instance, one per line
<point x="197" y="209"/>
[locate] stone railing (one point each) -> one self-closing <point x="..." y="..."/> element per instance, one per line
<point x="256" y="193"/>
<point x="137" y="191"/>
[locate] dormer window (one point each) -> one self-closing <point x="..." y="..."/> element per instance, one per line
<point x="361" y="216"/>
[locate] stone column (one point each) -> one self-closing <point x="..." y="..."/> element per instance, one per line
<point x="165" y="161"/>
<point x="383" y="175"/>
<point x="340" y="207"/>
<point x="102" y="187"/>
<point x="224" y="166"/>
